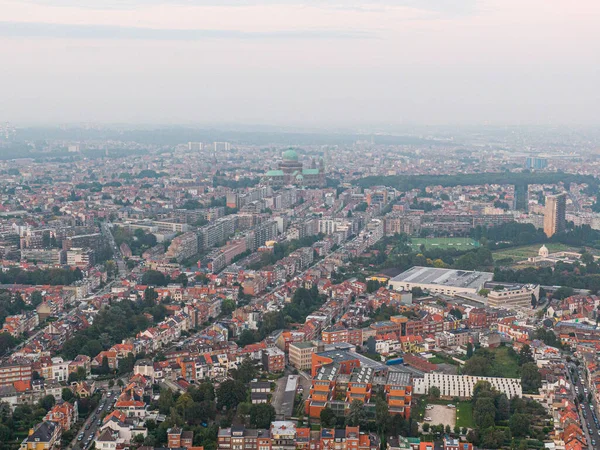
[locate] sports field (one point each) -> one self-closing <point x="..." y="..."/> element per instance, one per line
<point x="522" y="253"/>
<point x="456" y="243"/>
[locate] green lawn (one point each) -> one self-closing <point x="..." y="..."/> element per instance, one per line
<point x="518" y="254"/>
<point x="456" y="243"/>
<point x="505" y="363"/>
<point x="464" y="415"/>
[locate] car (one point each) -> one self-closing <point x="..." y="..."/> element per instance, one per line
<point x="451" y="405"/>
<point x="87" y="427"/>
<point x="598" y="432"/>
<point x="80" y="437"/>
<point x="427" y="419"/>
<point x="429" y="407"/>
<point x="99" y="422"/>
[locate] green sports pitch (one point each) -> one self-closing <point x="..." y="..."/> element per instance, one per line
<point x="455" y="243"/>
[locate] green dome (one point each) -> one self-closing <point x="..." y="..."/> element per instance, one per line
<point x="290" y="155"/>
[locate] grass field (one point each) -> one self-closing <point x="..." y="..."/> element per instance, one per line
<point x="505" y="363"/>
<point x="456" y="243"/>
<point x="522" y="253"/>
<point x="464" y="415"/>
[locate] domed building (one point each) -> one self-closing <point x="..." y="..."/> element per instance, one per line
<point x="292" y="172"/>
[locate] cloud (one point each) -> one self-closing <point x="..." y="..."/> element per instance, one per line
<point x="70" y="31"/>
<point x="450" y="7"/>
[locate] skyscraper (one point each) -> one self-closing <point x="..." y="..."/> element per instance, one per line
<point x="554" y="216"/>
<point x="536" y="163"/>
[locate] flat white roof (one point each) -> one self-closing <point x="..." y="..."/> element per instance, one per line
<point x="467" y="279"/>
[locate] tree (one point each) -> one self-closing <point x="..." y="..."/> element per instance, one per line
<point x="247" y="337"/>
<point x="563" y="292"/>
<point x="261" y="415"/>
<point x="356" y="414"/>
<point x="587" y="258"/>
<point x="67" y="395"/>
<point x="36" y="298"/>
<point x="227" y="306"/>
<point x="243" y="410"/>
<point x="373" y="285"/>
<point x="434" y="392"/>
<point x="484" y="412"/>
<point x="231" y="393"/>
<point x="81" y="374"/>
<point x="165" y="401"/>
<point x="271" y="321"/>
<point x="5" y="434"/>
<point x="120" y="383"/>
<point x="477" y="365"/>
<point x="105" y="368"/>
<point x="447" y="429"/>
<point x="154" y="278"/>
<point x="457" y="313"/>
<point x="47" y="402"/>
<point x="111" y="384"/>
<point x="469" y="350"/>
<point x="327" y="417"/>
<point x="519" y="425"/>
<point x="182" y="278"/>
<point x="502" y="407"/>
<point x="246" y="371"/>
<point x="7" y="341"/>
<point x="531" y="379"/>
<point x="492" y="438"/>
<point x="525" y="355"/>
<point x="456" y="430"/>
<point x="382" y="413"/>
<point x="426" y="427"/>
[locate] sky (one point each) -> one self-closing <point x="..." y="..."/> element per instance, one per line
<point x="316" y="63"/>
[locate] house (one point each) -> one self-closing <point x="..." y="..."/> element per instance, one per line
<point x="45" y="436"/>
<point x="65" y="414"/>
<point x="106" y="440"/>
<point x="122" y="427"/>
<point x="84" y="389"/>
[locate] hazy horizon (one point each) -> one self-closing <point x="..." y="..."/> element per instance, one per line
<point x="288" y="63"/>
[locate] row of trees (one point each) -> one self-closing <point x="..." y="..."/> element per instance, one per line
<point x="156" y="278"/>
<point x="571" y="275"/>
<point x="54" y="277"/>
<point x="409" y="182"/>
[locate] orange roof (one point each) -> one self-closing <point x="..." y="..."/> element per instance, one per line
<point x="22" y="386"/>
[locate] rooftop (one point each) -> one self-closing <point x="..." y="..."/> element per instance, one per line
<point x="444" y="277"/>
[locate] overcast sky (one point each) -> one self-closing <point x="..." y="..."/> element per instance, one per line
<point x="317" y="63"/>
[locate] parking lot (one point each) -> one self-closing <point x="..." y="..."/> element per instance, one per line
<point x="441" y="415"/>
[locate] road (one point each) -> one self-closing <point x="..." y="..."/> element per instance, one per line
<point x="91" y="425"/>
<point x="586" y="412"/>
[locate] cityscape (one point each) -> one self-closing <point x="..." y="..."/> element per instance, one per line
<point x="363" y="295"/>
<point x="299" y="225"/>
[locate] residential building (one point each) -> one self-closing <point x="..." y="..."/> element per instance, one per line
<point x="300" y="354"/>
<point x="554" y="214"/>
<point x="44" y="436"/>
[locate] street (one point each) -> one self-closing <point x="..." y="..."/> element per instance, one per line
<point x="588" y="417"/>
<point x="86" y="434"/>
